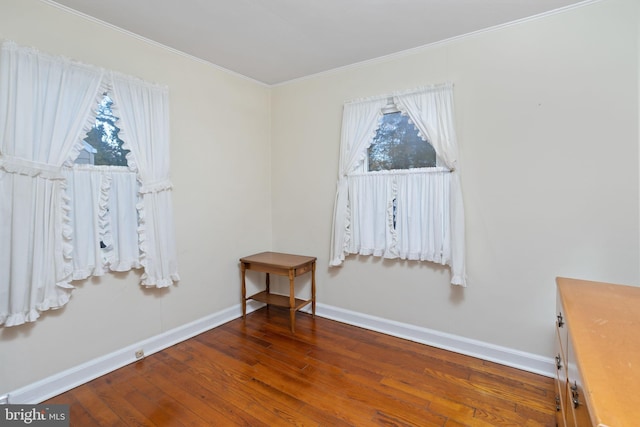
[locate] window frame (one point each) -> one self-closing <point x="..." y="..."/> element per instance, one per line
<point x="391" y="108"/>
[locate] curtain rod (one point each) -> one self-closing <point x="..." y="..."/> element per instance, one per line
<point x="399" y="93"/>
<point x="434" y="169"/>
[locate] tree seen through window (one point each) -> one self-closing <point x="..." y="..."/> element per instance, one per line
<point x="103" y="146"/>
<point x="397" y="145"/>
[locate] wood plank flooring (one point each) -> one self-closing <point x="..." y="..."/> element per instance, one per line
<point x="256" y="373"/>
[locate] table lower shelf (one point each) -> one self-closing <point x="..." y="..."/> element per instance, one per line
<point x="278" y="300"/>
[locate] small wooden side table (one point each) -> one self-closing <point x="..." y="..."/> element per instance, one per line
<point x="280" y="264"/>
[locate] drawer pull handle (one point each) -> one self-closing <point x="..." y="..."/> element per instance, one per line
<point x="576" y="403"/>
<point x="558" y="362"/>
<point x="575" y="396"/>
<point x="560" y="320"/>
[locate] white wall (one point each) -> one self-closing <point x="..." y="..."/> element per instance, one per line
<point x="220" y="150"/>
<point x="547" y="122"/>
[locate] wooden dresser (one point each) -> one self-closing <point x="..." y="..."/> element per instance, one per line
<point x="598" y="354"/>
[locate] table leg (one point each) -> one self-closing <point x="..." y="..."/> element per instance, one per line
<point x="292" y="302"/>
<point x="267" y="287"/>
<point x="243" y="268"/>
<point x="313" y="289"/>
<point x="268" y="284"/>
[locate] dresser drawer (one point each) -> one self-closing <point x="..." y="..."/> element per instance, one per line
<point x="562" y="405"/>
<point x="576" y="403"/>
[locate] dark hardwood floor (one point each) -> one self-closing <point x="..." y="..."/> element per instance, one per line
<point x="256" y="373"/>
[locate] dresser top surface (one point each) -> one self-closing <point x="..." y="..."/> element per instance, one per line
<point x="604" y="323"/>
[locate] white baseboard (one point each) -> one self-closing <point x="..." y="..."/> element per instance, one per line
<point x="66" y="380"/>
<point x="481" y="350"/>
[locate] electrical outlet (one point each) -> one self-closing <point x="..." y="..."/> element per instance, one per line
<point x="139" y="354"/>
<point x="4" y="399"/>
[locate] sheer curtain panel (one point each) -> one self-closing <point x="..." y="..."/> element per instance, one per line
<point x="144" y="115"/>
<point x="103" y="212"/>
<point x="60" y="222"/>
<point x="412" y="214"/>
<point x="121" y="237"/>
<point x="359" y="124"/>
<point x="432" y="113"/>
<point x="86" y="189"/>
<point x="38" y="134"/>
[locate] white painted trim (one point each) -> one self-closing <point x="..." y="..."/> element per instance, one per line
<point x="505" y="356"/>
<point x="66" y="380"/>
<point x="150" y="42"/>
<point x="428" y="46"/>
<point x="380" y="59"/>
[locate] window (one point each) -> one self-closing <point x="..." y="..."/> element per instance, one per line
<point x="395" y="197"/>
<point x="103" y="195"/>
<point x="40" y="142"/>
<point x="398" y="145"/>
<point x="103" y="146"/>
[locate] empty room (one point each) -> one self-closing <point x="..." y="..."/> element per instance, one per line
<point x="320" y="213"/>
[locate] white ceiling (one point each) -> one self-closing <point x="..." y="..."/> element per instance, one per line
<point x="273" y="41"/>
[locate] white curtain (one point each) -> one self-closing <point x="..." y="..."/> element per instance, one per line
<point x="47" y="239"/>
<point x="359" y="124"/>
<point x="422" y="223"/>
<point x="38" y="134"/>
<point x="420" y="212"/>
<point x="372" y="206"/>
<point x="104" y="203"/>
<point x="145" y="128"/>
<point x="121" y="240"/>
<point x="86" y="190"/>
<point x="432" y="113"/>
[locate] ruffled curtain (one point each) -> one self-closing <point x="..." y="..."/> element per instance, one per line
<point x="432" y="113"/>
<point x="47" y="105"/>
<point x="419" y="214"/>
<point x="38" y="134"/>
<point x="104" y="215"/>
<point x="145" y="126"/>
<point x="121" y="236"/>
<point x="371" y="208"/>
<point x="86" y="190"/>
<point x="359" y="124"/>
<point x="422" y="223"/>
